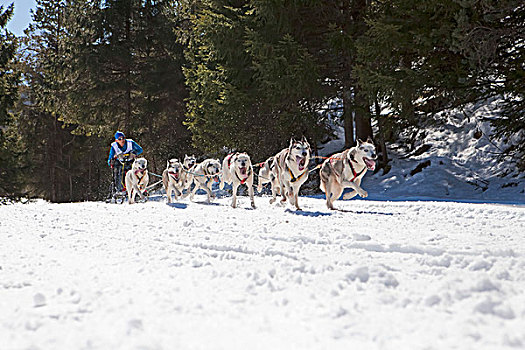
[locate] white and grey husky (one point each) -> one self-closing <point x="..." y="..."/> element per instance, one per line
<point x="237" y="169"/>
<point x="291" y="169"/>
<point x="346" y="169"/>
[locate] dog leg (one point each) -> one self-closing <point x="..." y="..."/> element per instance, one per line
<point x="350" y="195"/>
<point x="328" y="193"/>
<point x="274" y="194"/>
<point x="259" y="184"/>
<point x="235" y="187"/>
<point x="131" y="196"/>
<point x="296" y="200"/>
<point x="208" y="191"/>
<point x="195" y="189"/>
<point x="168" y="193"/>
<point x="250" y="192"/>
<point x="137" y="190"/>
<point x="356" y="187"/>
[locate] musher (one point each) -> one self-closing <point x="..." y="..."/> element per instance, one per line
<point x="126" y="149"/>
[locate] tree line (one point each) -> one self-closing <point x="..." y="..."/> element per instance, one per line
<point x="209" y="76"/>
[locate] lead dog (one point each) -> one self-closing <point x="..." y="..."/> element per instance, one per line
<point x="267" y="175"/>
<point x="291" y="169"/>
<point x="203" y="176"/>
<point x="172" y="179"/>
<point x="137" y="179"/>
<point x="346" y="169"/>
<point x="237" y="170"/>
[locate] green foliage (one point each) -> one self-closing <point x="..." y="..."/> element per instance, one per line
<point x="252" y="82"/>
<point x="422" y="57"/>
<point x="9" y="81"/>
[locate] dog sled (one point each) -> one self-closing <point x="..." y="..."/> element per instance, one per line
<point x="117" y="190"/>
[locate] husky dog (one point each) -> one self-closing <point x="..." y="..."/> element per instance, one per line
<point x="137" y="179"/>
<point x="346" y="169"/>
<point x="267" y="175"/>
<point x="172" y="179"/>
<point x="203" y="176"/>
<point x="291" y="168"/>
<point x="237" y="169"/>
<point x="188" y="166"/>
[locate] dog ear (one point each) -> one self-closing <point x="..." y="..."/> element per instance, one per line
<point x="291" y="143"/>
<point x="369" y="140"/>
<point x="351" y="154"/>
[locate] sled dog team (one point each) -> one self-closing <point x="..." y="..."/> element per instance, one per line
<point x="285" y="172"/>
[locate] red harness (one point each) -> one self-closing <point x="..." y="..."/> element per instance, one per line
<point x="355" y="173"/>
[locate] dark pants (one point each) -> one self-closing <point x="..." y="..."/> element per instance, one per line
<point x="118" y="176"/>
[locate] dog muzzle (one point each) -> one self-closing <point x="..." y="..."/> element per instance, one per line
<point x="370" y="164"/>
<point x="301" y="162"/>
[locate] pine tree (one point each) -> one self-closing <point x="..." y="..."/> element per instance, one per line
<point x="423" y="57"/>
<point x="125" y="73"/>
<point x="10" y="185"/>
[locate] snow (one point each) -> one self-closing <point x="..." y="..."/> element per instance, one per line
<point x="430" y="260"/>
<point x="460" y="167"/>
<point x="374" y="275"/>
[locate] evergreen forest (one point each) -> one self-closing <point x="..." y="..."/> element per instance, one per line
<point x="207" y="77"/>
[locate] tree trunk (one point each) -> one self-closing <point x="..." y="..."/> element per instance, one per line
<point x="348" y="119"/>
<point x="363" y="125"/>
<point x="381" y="136"/>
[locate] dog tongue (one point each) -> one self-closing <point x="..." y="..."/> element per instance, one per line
<point x="300" y="162"/>
<point x="243" y="171"/>
<point x="370" y="164"/>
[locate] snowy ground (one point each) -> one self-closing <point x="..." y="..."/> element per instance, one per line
<point x="376" y="275"/>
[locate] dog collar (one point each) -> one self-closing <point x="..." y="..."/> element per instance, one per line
<point x="293" y="178"/>
<point x="246" y="178"/>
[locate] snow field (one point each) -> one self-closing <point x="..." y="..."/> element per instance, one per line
<point x="375" y="275"/>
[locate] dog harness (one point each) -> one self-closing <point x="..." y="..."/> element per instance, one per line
<point x="118" y="151"/>
<point x="173" y="174"/>
<point x="293" y="178"/>
<point x="247" y="176"/>
<point x="354" y="173"/>
<point x="142" y="172"/>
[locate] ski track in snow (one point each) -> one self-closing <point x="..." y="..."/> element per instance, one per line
<point x="374" y="275"/>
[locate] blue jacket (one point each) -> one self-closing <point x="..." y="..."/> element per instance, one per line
<point x="129" y="147"/>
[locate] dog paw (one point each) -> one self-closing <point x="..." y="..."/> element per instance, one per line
<point x="363" y="194"/>
<point x="272" y="200"/>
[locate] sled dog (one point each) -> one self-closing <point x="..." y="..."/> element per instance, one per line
<point x="291" y="169"/>
<point x="188" y="166"/>
<point x="267" y="175"/>
<point x="172" y="179"/>
<point x="203" y="176"/>
<point x="237" y="170"/>
<point x="137" y="179"/>
<point x="346" y="169"/>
